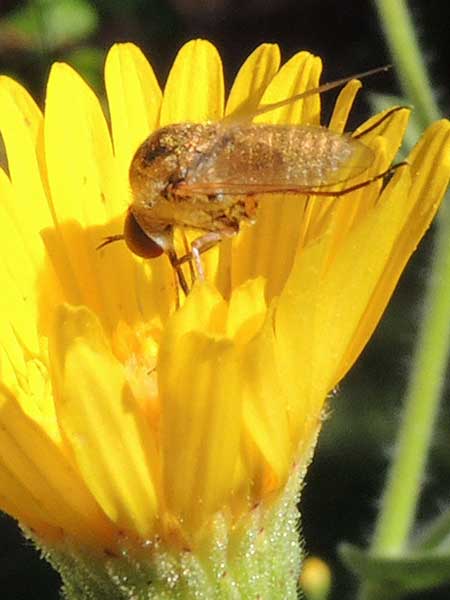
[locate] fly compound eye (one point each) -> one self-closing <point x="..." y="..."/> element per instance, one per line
<point x="138" y="241"/>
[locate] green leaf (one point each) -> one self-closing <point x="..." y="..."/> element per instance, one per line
<point x="410" y="573"/>
<point x="51" y="24"/>
<point x="435" y="536"/>
<point x="68" y="21"/>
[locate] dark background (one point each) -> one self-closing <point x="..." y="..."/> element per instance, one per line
<point x="344" y="482"/>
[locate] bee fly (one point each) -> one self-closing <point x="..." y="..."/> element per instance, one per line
<point x="205" y="176"/>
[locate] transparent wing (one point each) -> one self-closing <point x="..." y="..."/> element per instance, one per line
<point x="269" y="158"/>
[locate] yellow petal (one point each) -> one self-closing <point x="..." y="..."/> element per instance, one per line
<point x="134" y="99"/>
<point x="348" y="284"/>
<point x="194" y="90"/>
<point x="297" y="325"/>
<point x="12" y="360"/>
<point x="246" y="311"/>
<point x="110" y="437"/>
<point x="252" y="80"/>
<point x="200" y="426"/>
<point x="83" y="186"/>
<point x="419" y="192"/>
<point x="325" y="297"/>
<point x="19" y="297"/>
<point x="204" y="311"/>
<point x="21" y="126"/>
<point x="25" y="203"/>
<point x="41" y="472"/>
<point x="343" y="106"/>
<point x="201" y="409"/>
<point x="266" y="407"/>
<point x="300" y="73"/>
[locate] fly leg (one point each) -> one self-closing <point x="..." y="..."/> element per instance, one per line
<point x="387" y="115"/>
<point x="202" y="244"/>
<point x="187" y="251"/>
<point x="176" y="265"/>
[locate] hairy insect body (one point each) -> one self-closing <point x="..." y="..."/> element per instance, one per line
<point x="205" y="176"/>
<point x="161" y="166"/>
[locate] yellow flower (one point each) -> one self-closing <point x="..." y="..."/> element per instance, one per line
<point x="123" y="418"/>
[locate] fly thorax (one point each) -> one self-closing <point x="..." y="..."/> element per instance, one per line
<point x="163" y="160"/>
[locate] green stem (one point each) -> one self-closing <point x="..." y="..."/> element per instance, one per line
<point x="408" y="59"/>
<point x="402" y="491"/>
<point x="403" y="486"/>
<point x="35" y="6"/>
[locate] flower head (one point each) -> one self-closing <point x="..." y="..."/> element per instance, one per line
<point x="123" y="417"/>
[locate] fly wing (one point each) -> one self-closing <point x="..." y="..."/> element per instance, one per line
<point x="275" y="158"/>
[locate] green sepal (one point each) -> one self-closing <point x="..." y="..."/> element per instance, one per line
<point x="258" y="556"/>
<point x="400" y="575"/>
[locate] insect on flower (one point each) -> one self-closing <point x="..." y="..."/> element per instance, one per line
<point x="206" y="177"/>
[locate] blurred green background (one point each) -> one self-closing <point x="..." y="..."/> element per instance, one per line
<point x="344" y="482"/>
